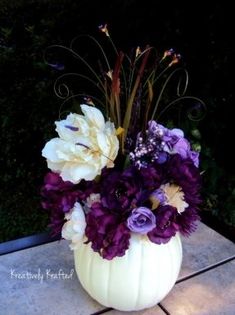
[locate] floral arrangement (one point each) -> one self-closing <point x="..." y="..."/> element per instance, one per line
<point x="115" y="170"/>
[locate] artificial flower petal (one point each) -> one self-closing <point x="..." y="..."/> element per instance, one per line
<point x="83" y="149"/>
<point x="74" y="229"/>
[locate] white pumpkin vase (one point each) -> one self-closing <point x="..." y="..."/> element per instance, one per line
<point x="138" y="280"/>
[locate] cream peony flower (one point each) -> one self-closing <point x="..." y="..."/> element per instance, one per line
<point x="174" y="197"/>
<point x="74" y="229"/>
<point x="86" y="144"/>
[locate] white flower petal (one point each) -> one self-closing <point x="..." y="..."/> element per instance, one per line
<point x="67" y="231"/>
<point x="74" y="229"/>
<point x="74" y="172"/>
<point x="103" y="143"/>
<point x="71" y="127"/>
<point x="175" y="197"/>
<point x="50" y="150"/>
<point x="86" y="145"/>
<point x="55" y="167"/>
<point x="94" y="116"/>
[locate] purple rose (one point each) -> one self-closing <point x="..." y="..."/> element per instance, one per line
<point x="142" y="220"/>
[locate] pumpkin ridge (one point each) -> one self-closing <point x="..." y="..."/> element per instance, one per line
<point x="108" y="283"/>
<point x="139" y="276"/>
<point x="172" y="266"/>
<point x="89" y="268"/>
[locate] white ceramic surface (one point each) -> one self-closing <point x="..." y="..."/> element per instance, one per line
<point x="138" y="280"/>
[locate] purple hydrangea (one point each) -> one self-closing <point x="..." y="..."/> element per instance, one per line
<point x="142" y="220"/>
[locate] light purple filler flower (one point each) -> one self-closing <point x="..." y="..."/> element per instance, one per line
<point x="142" y="220"/>
<point x="159" y="144"/>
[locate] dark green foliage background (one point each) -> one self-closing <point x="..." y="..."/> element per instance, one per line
<point x="28" y="106"/>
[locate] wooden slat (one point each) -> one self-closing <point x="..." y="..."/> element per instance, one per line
<point x="211" y="293"/>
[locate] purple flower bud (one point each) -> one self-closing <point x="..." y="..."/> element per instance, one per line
<point x="155" y="128"/>
<point x="162" y="157"/>
<point x="194" y="156"/>
<point x="142" y="220"/>
<point x="152" y="125"/>
<point x="57" y="66"/>
<point x="159" y="194"/>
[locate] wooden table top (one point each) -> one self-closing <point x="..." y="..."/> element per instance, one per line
<point x="42" y="280"/>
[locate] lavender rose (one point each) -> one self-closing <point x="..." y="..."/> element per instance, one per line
<point x="142" y="220"/>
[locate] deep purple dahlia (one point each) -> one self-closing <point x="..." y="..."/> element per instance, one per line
<point x="166" y="225"/>
<point x="58" y="194"/>
<point x="187" y="221"/>
<point x="152" y="176"/>
<point x="59" y="197"/>
<point x="107" y="232"/>
<point x="120" y="190"/>
<point x="185" y="174"/>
